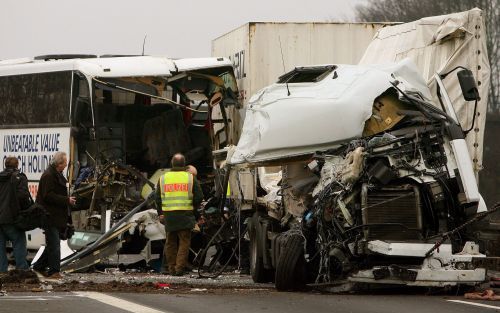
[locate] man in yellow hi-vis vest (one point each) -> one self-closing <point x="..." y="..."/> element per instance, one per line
<point x="180" y="194"/>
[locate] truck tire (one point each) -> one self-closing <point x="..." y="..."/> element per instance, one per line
<point x="291" y="265"/>
<point x="257" y="271"/>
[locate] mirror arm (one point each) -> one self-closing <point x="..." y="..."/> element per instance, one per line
<point x="473" y="120"/>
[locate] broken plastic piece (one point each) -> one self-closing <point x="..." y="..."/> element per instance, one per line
<point x="162" y="286"/>
<point x="485" y="295"/>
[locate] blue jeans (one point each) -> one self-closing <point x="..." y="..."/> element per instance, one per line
<point x="18" y="239"/>
<point x="50" y="260"/>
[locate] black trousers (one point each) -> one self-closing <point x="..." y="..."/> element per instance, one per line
<point x="50" y="260"/>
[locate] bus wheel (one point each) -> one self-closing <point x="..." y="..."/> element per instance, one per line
<point x="291" y="265"/>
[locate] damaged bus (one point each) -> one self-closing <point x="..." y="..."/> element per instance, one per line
<point x="120" y="118"/>
<point x="363" y="173"/>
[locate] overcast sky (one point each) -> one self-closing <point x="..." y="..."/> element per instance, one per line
<point x="174" y="28"/>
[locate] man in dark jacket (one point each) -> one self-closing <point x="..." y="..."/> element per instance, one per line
<point x="179" y="194"/>
<point x="53" y="196"/>
<point x="14" y="195"/>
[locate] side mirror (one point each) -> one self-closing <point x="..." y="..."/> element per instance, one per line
<point x="468" y="85"/>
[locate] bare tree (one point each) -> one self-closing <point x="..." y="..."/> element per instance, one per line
<point x="411" y="10"/>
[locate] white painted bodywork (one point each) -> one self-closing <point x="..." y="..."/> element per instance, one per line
<point x="113" y="67"/>
<point x="255" y="50"/>
<point x="461" y="154"/>
<point x="439" y="269"/>
<point x="428" y="277"/>
<point x="447" y="105"/>
<point x="201" y="63"/>
<point x="317" y="116"/>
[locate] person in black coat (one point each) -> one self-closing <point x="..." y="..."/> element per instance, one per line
<point x="53" y="196"/>
<point x="14" y="195"/>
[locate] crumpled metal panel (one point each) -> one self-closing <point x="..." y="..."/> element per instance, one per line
<point x="440" y="44"/>
<point x="318" y="116"/>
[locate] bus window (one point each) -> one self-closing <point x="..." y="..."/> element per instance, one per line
<point x="82" y="124"/>
<point x="81" y="110"/>
<point x="35" y="99"/>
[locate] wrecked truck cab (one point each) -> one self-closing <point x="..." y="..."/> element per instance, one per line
<point x="373" y="175"/>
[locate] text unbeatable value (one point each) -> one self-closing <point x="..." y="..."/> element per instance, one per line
<point x="31" y="143"/>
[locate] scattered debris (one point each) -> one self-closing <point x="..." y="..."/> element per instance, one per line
<point x="162" y="286"/>
<point x="485" y="295"/>
<point x="20" y="276"/>
<point x="46" y="287"/>
<point x="199" y="289"/>
<point x="139" y="283"/>
<point x="112" y="271"/>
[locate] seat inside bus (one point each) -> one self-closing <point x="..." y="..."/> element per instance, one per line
<point x="128" y="127"/>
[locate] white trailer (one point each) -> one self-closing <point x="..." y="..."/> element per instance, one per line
<point x="261" y="52"/>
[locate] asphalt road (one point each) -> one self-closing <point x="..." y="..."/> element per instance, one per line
<point x="269" y="301"/>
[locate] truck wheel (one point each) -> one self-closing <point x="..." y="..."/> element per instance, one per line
<point x="291" y="265"/>
<point x="257" y="270"/>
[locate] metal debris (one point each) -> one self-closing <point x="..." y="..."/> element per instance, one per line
<point x="485" y="295"/>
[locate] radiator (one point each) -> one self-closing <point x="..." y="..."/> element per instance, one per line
<point x="395" y="205"/>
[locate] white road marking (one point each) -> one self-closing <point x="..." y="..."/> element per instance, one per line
<point x="23" y="299"/>
<point x="29" y="298"/>
<point x="119" y="303"/>
<point x="476" y="304"/>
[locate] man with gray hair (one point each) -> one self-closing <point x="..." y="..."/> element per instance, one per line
<point x="53" y="196"/>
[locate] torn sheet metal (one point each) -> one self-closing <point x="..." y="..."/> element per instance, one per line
<point x="201" y="63"/>
<point x="318" y="115"/>
<point x="297" y="184"/>
<point x="269" y="179"/>
<point x="148" y="223"/>
<point x="344" y="170"/>
<point x="440" y="44"/>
